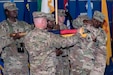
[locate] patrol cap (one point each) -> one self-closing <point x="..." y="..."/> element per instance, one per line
<point x="39" y="14"/>
<point x="10" y="6"/>
<point x="99" y="16"/>
<point x="61" y="12"/>
<point x="50" y="17"/>
<point x="78" y="22"/>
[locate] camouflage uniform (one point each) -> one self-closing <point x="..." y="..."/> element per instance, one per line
<point x="88" y="57"/>
<point x="78" y="22"/>
<point x="63" y="66"/>
<point x="100" y="53"/>
<point x="63" y="26"/>
<point x="87" y="53"/>
<point x="22" y="58"/>
<point x="42" y="50"/>
<point x="63" y="61"/>
<point x="50" y="17"/>
<point x="41" y="46"/>
<point x="15" y="62"/>
<point x="50" y="22"/>
<point x="6" y="40"/>
<point x="61" y="13"/>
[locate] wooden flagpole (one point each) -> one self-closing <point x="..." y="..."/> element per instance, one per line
<point x="56" y="11"/>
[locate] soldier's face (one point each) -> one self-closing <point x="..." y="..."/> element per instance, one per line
<point x="44" y="23"/>
<point x="12" y="13"/>
<point x="61" y="19"/>
<point x="96" y="23"/>
<point x="50" y="24"/>
<point x="40" y="23"/>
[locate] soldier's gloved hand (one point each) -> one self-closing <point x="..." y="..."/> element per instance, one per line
<point x="81" y="31"/>
<point x="58" y="52"/>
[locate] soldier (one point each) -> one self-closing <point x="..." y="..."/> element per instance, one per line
<point x="61" y="19"/>
<point x="78" y="22"/>
<point x="41" y="46"/>
<point x="50" y="21"/>
<point x="100" y="44"/>
<point x="14" y="54"/>
<point x="63" y="66"/>
<point x="89" y="58"/>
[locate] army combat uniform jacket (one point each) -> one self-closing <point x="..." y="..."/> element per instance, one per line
<point x="88" y="57"/>
<point x="41" y="46"/>
<point x="15" y="62"/>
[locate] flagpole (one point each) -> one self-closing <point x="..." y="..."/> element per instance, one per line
<point x="56" y="11"/>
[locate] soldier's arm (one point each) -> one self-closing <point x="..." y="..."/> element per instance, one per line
<point x="5" y="39"/>
<point x="102" y="39"/>
<point x="53" y="40"/>
<point x="59" y="41"/>
<point x="27" y="26"/>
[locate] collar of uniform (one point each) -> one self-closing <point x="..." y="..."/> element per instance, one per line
<point x="13" y="23"/>
<point x="40" y="29"/>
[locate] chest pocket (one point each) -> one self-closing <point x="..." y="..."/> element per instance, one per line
<point x="10" y="27"/>
<point x="17" y="28"/>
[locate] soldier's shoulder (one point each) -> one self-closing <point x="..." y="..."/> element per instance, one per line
<point x="23" y="22"/>
<point x="30" y="34"/>
<point x="103" y="31"/>
<point x="3" y="27"/>
<point x="64" y="26"/>
<point x="3" y="22"/>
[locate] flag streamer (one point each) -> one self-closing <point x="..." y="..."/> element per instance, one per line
<point x="12" y="0"/>
<point x="89" y="10"/>
<point x="107" y="30"/>
<point x="39" y="2"/>
<point x="26" y="12"/>
<point x="51" y="6"/>
<point x="47" y="6"/>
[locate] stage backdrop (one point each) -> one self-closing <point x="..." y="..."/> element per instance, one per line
<point x="74" y="6"/>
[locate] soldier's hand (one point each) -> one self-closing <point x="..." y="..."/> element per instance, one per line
<point x="17" y="35"/>
<point x="59" y="52"/>
<point x="81" y="31"/>
<point x="94" y="39"/>
<point x="57" y="27"/>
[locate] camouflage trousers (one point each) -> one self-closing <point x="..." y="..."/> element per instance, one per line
<point x="63" y="67"/>
<point x="15" y="63"/>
